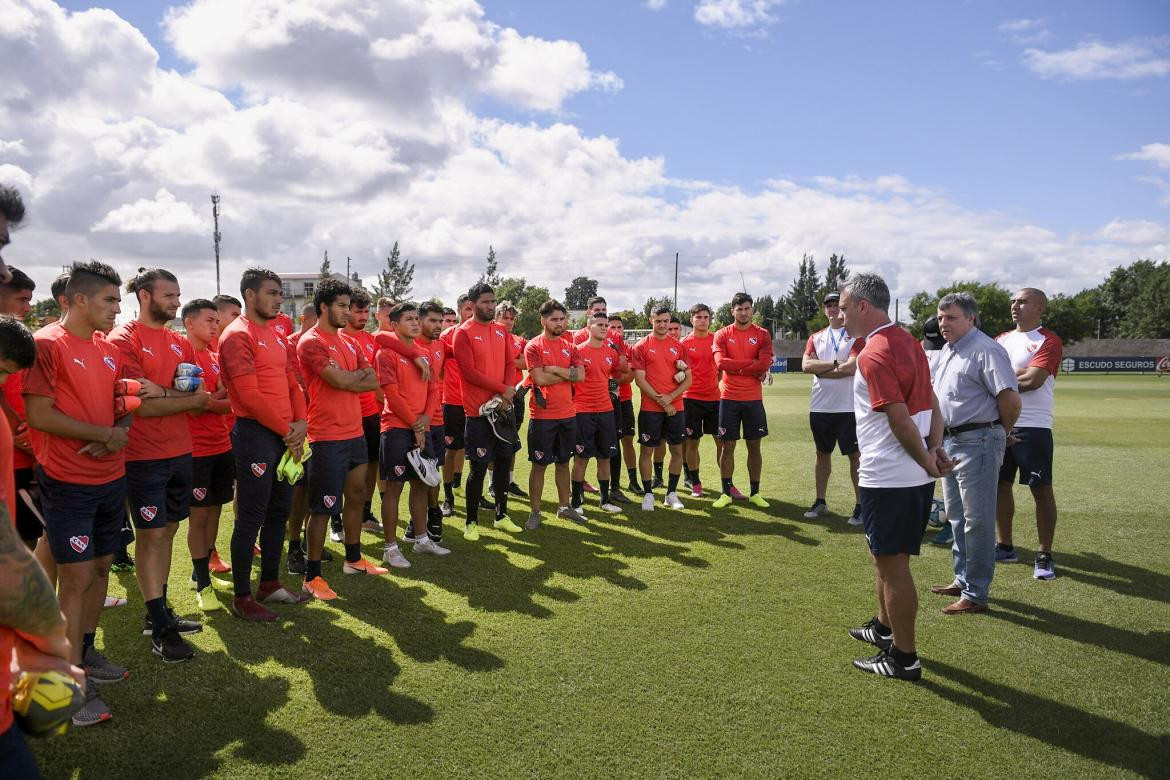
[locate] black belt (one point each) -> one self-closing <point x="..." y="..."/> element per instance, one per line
<point x="949" y="432"/>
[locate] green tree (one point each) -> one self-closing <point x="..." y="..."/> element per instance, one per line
<point x="802" y="302"/>
<point x="579" y="291"/>
<point x="511" y="289"/>
<point x="528" y="320"/>
<point x="396" y="281"/>
<point x="1073" y="318"/>
<point x="722" y="317"/>
<point x="992" y="299"/>
<point x="630" y="319"/>
<point x="491" y="272"/>
<point x="47" y="307"/>
<point x="765" y="308"/>
<point x="1148" y="313"/>
<point x="653" y="303"/>
<point x="326" y="268"/>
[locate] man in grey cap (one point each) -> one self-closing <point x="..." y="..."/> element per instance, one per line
<point x="979" y="400"/>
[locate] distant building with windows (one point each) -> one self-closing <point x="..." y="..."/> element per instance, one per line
<point x="298" y="289"/>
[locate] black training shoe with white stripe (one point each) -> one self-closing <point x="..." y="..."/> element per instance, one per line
<point x="885" y="665"/>
<point x="868" y="632"/>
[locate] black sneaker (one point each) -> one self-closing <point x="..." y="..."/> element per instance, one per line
<point x="868" y="633"/>
<point x="182" y="624"/>
<point x="485" y="504"/>
<point x="885" y="665"/>
<point x="446" y="509"/>
<point x="171" y="647"/>
<point x="516" y="490"/>
<point x="122" y="561"/>
<point x="326" y="556"/>
<point x="296" y="561"/>
<point x="408" y="534"/>
<point x="657" y="483"/>
<point x="634" y="488"/>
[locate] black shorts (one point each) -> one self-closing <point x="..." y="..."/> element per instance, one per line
<point x="392" y="463"/>
<point x="552" y="441"/>
<point x="626" y="419"/>
<point x="749" y="415"/>
<point x="328" y="469"/>
<point x="596" y="435"/>
<point x="436" y="443"/>
<point x="159" y="491"/>
<point x="28" y="525"/>
<point x="895" y="518"/>
<point x="372" y="431"/>
<point x="82" y="522"/>
<point x="213" y="479"/>
<point x="1031" y="456"/>
<point x="702" y="417"/>
<point x="454" y="426"/>
<point x="834" y="429"/>
<point x="654" y="426"/>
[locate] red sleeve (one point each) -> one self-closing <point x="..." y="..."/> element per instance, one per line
<point x="810" y="349"/>
<point x="248" y="391"/>
<point x="575" y="358"/>
<point x="881" y="380"/>
<point x="313" y="355"/>
<point x="409" y="351"/>
<point x="131" y="366"/>
<point x="388" y="379"/>
<point x="858" y="345"/>
<point x="296" y="395"/>
<point x="764" y="359"/>
<point x="533" y="355"/>
<point x="42" y="377"/>
<point x="1049" y="354"/>
<point x="237" y="356"/>
<point x="725" y="364"/>
<point x="462" y="347"/>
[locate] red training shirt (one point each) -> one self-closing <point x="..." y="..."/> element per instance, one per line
<point x="334" y="415"/>
<point x="743" y="356"/>
<point x="259" y="375"/>
<point x="658" y="358"/>
<point x="365" y="341"/>
<point x="485" y="355"/>
<point x="407" y="395"/>
<point x="601" y="364"/>
<point x="211" y="433"/>
<point x="558" y="352"/>
<point x="700" y="356"/>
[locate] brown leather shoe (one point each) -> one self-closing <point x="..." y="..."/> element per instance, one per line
<point x="946" y="590"/>
<point x="964" y="607"/>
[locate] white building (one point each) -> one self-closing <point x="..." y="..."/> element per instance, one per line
<point x="298" y="289"/>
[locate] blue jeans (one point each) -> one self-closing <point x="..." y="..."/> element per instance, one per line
<point x="969" y="492"/>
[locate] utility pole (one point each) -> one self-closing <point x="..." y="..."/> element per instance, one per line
<point x="216" y="236"/>
<point x="675" y="300"/>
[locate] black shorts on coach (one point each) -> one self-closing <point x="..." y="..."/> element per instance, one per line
<point x="213" y="479"/>
<point x="653" y="427"/>
<point x="834" y="429"/>
<point x="1031" y="456"/>
<point x="748" y="415"/>
<point x="702" y="417"/>
<point x="895" y="518"/>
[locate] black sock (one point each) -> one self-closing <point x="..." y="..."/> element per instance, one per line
<point x="458" y="481"/>
<point x="500" y="480"/>
<point x="353" y="552"/>
<point x="633" y="473"/>
<point x="448" y="492"/>
<point x="312" y="570"/>
<point x="755" y="487"/>
<point x="603" y="486"/>
<point x="202" y="571"/>
<point x="881" y="627"/>
<point x="369" y="507"/>
<point x="435" y="523"/>
<point x="672" y="483"/>
<point x="294" y="546"/>
<point x="687" y="473"/>
<point x="646" y="486"/>
<point x="615" y="468"/>
<point x="726" y="481"/>
<point x="578" y="490"/>
<point x="695" y="478"/>
<point x="157" y="609"/>
<point x="87" y="641"/>
<point x="164" y="591"/>
<point x="658" y="470"/>
<point x="905" y="659"/>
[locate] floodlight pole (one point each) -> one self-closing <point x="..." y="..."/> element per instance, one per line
<point x="216" y="236"/>
<point x="675" y="301"/>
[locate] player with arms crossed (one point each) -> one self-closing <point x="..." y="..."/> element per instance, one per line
<point x="596" y="425"/>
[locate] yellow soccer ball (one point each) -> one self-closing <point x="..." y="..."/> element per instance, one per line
<point x="43" y="702"/>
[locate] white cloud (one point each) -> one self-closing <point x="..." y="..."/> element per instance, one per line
<point x="1096" y="60"/>
<point x="656" y="5"/>
<point x="160" y="214"/>
<point x="1158" y="154"/>
<point x="736" y="14"/>
<point x="1024" y="32"/>
<point x="1136" y="231"/>
<point x="541" y="74"/>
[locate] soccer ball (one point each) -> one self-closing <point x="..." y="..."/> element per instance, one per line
<point x="43" y="702"/>
<point x="938" y="514"/>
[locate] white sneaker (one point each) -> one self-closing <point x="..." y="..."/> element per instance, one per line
<point x="427" y="545"/>
<point x="336" y="536"/>
<point x="613" y="509"/>
<point x="671" y="501"/>
<point x="394" y="557"/>
<point x="648" y="502"/>
<point x="817" y="509"/>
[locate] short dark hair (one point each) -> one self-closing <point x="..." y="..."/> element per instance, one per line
<point x="741" y="298"/>
<point x="618" y="318"/>
<point x="16" y="342"/>
<point x="57" y="288"/>
<point x="20" y="280"/>
<point x="593" y="300"/>
<point x="674" y="320"/>
<point x="253" y="278"/>
<point x="223" y="300"/>
<point x="430" y="307"/>
<point x="660" y="310"/>
<point x="698" y="307"/>
<point x="599" y="315"/>
<point x="358" y="298"/>
<point x="551" y="305"/>
<point x="89" y="277"/>
<point x="11" y="205"/>
<point x="448" y="311"/>
<point x="398" y="309"/>
<point x="308" y="308"/>
<point x="483" y="288"/>
<point x="462" y="299"/>
<point x="199" y="304"/>
<point x="147" y="278"/>
<point x="328" y="291"/>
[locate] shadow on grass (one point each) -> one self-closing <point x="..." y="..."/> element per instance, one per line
<point x="1116" y="576"/>
<point x="1150" y="647"/>
<point x="182" y="717"/>
<point x="1064" y="727"/>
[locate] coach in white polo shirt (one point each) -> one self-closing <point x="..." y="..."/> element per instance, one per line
<point x="831" y="357"/>
<point x="898" y="434"/>
<point x="976" y="389"/>
<point x="1035" y="353"/>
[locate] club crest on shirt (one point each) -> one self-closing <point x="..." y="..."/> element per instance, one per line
<point x="79" y="543"/>
<point x="753" y="340"/>
<point x="1034" y="346"/>
<point x="565" y="352"/>
<point x="177" y="350"/>
<point x="148" y="513"/>
<point x="199" y="493"/>
<point x="258" y="469"/>
<point x="674" y="351"/>
<point x="215" y="367"/>
<point x="328" y="501"/>
<point x="109" y="361"/>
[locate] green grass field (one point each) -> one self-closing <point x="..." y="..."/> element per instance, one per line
<point x="694" y="643"/>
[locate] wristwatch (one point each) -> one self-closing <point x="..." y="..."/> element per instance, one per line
<point x="835" y="365"/>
